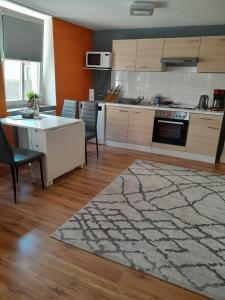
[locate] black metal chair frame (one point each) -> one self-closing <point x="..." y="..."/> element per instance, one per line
<point x="84" y="107"/>
<point x="17" y="158"/>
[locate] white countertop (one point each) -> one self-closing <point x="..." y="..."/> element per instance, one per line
<point x="195" y="111"/>
<point x="46" y="123"/>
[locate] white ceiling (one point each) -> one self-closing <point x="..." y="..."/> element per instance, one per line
<point x="114" y="14"/>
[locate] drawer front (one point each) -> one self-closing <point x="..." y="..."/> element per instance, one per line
<point x="206" y="120"/>
<point x="37" y="140"/>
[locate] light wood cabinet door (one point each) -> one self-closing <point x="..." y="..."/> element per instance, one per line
<point x="181" y="47"/>
<point x="212" y="54"/>
<point x="140" y="127"/>
<point x="203" y="134"/>
<point x="124" y="55"/>
<point x="117" y="124"/>
<point x="149" y="53"/>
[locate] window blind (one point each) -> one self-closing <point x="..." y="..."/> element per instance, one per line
<point x="22" y="38"/>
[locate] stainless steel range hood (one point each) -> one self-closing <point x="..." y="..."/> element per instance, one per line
<point x="181" y="61"/>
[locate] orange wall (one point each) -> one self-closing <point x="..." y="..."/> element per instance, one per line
<point x="70" y="44"/>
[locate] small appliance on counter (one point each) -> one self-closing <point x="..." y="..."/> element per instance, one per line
<point x="203" y="102"/>
<point x="218" y="100"/>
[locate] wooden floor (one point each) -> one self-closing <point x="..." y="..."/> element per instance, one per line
<point x="34" y="266"/>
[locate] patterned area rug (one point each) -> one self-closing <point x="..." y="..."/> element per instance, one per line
<point x="159" y="219"/>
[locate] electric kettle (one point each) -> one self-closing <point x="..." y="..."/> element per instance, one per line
<point x="203" y="102"/>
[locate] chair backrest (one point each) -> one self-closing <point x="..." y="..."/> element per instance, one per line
<point x="69" y="109"/>
<point x="6" y="152"/>
<point x="89" y="114"/>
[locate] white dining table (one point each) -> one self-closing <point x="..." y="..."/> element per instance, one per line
<point x="62" y="140"/>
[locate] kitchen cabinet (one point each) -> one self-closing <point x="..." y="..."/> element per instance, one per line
<point x="212" y="54"/>
<point x="181" y="47"/>
<point x="140" y="126"/>
<point x="129" y="125"/>
<point x="149" y="53"/>
<point x="117" y="124"/>
<point x="124" y="55"/>
<point x="203" y="134"/>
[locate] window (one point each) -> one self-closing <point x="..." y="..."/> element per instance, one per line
<point x="20" y="78"/>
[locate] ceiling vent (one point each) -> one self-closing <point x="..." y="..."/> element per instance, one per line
<point x="142" y="8"/>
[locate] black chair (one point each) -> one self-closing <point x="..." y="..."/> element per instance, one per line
<point x="89" y="114"/>
<point x="17" y="158"/>
<point x="69" y="109"/>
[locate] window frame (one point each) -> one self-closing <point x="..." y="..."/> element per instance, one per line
<point x="23" y="102"/>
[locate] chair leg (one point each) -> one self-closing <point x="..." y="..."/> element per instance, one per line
<point x="17" y="175"/>
<point x="13" y="172"/>
<point x="97" y="144"/>
<point x="42" y="176"/>
<point x="86" y="151"/>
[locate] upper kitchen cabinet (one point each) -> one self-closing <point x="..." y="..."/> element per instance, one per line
<point x="149" y="53"/>
<point x="181" y="47"/>
<point x="212" y="54"/>
<point x="124" y="55"/>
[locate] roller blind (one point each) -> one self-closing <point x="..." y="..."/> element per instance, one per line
<point x="22" y="38"/>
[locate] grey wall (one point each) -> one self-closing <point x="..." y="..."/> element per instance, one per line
<point x="103" y="42"/>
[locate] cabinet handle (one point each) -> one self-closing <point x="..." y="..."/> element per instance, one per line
<point x="123" y="110"/>
<point x="136" y="112"/>
<point x="129" y="66"/>
<point x="213" y="128"/>
<point x="193" y="41"/>
<point x="141" y="66"/>
<point x="222" y="40"/>
<point x="208" y="119"/>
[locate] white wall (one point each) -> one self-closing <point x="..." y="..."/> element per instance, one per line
<point x="48" y="70"/>
<point x="180" y="84"/>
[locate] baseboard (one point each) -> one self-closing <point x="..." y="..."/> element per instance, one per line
<point x="161" y="151"/>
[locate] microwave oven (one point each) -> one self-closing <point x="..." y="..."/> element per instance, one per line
<point x="98" y="60"/>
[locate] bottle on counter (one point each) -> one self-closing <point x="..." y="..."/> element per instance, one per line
<point x="36" y="108"/>
<point x="158" y="99"/>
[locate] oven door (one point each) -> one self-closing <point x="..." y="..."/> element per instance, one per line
<point x="170" y="131"/>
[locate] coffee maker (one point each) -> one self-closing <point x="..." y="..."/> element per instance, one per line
<point x="218" y="100"/>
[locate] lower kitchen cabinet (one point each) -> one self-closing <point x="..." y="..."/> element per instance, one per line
<point x="130" y="125"/>
<point x="117" y="124"/>
<point x="140" y="126"/>
<point x="203" y="134"/>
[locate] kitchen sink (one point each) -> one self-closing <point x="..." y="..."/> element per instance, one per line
<point x="131" y="101"/>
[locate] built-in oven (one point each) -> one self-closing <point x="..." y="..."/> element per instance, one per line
<point x="170" y="127"/>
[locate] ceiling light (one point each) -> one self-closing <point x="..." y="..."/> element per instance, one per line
<point x="142" y="8"/>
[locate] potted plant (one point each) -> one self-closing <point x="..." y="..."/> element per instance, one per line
<point x="32" y="96"/>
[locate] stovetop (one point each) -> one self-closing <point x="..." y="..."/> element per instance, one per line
<point x="178" y="106"/>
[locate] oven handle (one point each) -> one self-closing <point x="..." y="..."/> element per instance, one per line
<point x="170" y="122"/>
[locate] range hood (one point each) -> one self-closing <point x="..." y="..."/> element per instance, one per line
<point x="180" y="61"/>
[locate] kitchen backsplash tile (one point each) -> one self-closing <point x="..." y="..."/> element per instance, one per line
<point x="182" y="85"/>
